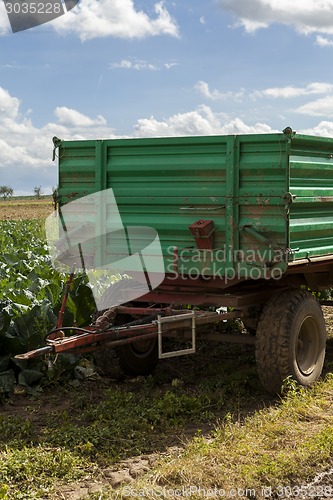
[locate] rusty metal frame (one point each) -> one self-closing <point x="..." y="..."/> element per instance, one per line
<point x="90" y="339"/>
<point x="172" y="319"/>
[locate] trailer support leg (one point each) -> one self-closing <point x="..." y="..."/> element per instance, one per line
<point x="171" y="319"/>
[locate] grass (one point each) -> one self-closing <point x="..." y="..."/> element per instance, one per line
<point x="102" y="423"/>
<point x="30" y="472"/>
<point x="278" y="446"/>
<point x="205" y="427"/>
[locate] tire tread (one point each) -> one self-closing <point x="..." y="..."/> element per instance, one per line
<point x="272" y="338"/>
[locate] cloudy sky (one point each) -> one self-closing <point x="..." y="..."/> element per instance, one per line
<point x="143" y="68"/>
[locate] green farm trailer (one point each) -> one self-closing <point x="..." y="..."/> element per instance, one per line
<point x="245" y="228"/>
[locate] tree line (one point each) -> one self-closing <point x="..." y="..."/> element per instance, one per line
<point x="7" y="191"/>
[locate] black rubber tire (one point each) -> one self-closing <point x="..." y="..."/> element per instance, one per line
<point x="127" y="360"/>
<point x="290" y="340"/>
<point x="107" y="364"/>
<point x="137" y="358"/>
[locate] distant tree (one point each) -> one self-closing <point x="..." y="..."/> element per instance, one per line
<point x="6" y="191"/>
<point x="38" y="191"/>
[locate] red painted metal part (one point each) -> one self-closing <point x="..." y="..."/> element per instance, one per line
<point x="64" y="301"/>
<point x="84" y="339"/>
<point x="203" y="232"/>
<point x="90" y="339"/>
<point x="144" y="311"/>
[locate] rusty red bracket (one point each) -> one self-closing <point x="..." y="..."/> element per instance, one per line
<point x="64" y="301"/>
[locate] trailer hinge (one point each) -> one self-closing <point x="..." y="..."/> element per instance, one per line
<point x="170" y="319"/>
<point x="56" y="144"/>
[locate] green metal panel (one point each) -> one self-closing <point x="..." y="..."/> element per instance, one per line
<point x="265" y="193"/>
<point x="168" y="184"/>
<point x="263" y="219"/>
<point x="311" y="184"/>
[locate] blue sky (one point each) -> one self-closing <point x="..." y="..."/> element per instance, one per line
<point x="143" y="68"/>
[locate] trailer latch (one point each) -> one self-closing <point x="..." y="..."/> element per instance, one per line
<point x="203" y="232"/>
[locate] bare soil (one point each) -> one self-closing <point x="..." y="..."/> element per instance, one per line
<point x="26" y="209"/>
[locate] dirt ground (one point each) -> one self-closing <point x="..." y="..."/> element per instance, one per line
<point x="21" y="209"/>
<point x="127" y="471"/>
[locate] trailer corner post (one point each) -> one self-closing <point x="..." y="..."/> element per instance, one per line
<point x="232" y="204"/>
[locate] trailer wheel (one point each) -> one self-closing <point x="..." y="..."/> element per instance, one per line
<point x="290" y="340"/>
<point x="251" y="318"/>
<point x="137" y="358"/>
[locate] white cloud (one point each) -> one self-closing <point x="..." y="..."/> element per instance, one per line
<point x="306" y="16"/>
<point x="141" y="65"/>
<point x="26" y="150"/>
<point x="323" y="42"/>
<point x="319" y="107"/>
<point x="117" y="18"/>
<point x="170" y="65"/>
<point x="11" y="154"/>
<point x="23" y="145"/>
<point x="290" y="91"/>
<point x="4" y="21"/>
<point x="202" y="20"/>
<point x="108" y="18"/>
<point x="202" y="121"/>
<point x="138" y="65"/>
<point x="323" y="129"/>
<point x="72" y="118"/>
<point x="9" y="105"/>
<point x="215" y="94"/>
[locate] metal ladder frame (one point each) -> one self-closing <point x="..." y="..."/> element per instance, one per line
<point x="171" y="319"/>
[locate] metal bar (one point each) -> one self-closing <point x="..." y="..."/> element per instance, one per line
<point x="232" y="206"/>
<point x="260" y="237"/>
<point x="313" y="199"/>
<point x="100" y="204"/>
<point x="311" y="260"/>
<point x="172" y="319"/>
<point x="182" y="352"/>
<point x="146" y="311"/>
<point x="202" y="209"/>
<point x="328" y="303"/>
<point x="212" y="299"/>
<point x="139" y="310"/>
<point x="175" y="259"/>
<point x="64" y="301"/>
<point x="35" y="353"/>
<point x="205" y="320"/>
<point x="245" y="339"/>
<point x="88" y="341"/>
